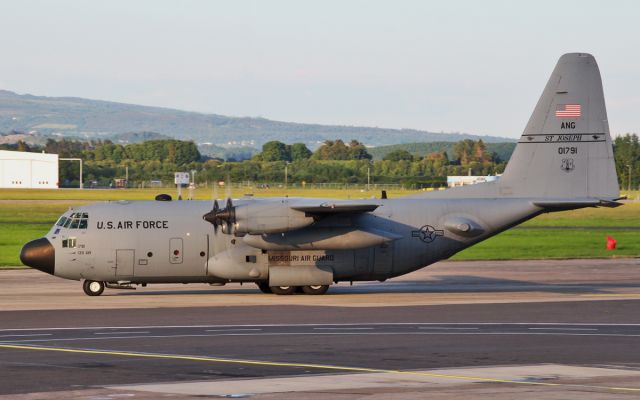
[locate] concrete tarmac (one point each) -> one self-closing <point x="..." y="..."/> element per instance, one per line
<point x="448" y="282"/>
<point x="526" y="329"/>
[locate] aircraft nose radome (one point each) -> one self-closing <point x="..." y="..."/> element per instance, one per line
<point x="39" y="254"/>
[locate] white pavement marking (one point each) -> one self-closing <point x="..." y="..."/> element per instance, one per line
<point x="120" y="333"/>
<point x="316" y="324"/>
<point x="343" y="333"/>
<point x="445" y="328"/>
<point x="232" y="330"/>
<point x="565" y="329"/>
<point x="33" y="334"/>
<point x="345" y="328"/>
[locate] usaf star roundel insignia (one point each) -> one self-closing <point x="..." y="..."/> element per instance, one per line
<point x="427" y="233"/>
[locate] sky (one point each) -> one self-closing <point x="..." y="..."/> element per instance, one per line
<point x="453" y="66"/>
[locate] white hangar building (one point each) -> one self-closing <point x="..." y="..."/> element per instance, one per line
<point x="26" y="170"/>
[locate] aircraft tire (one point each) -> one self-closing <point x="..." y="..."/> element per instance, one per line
<point x="283" y="290"/>
<point x="264" y="287"/>
<point x="93" y="288"/>
<point x="315" y="289"/>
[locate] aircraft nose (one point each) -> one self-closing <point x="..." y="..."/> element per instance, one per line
<point x="39" y="254"/>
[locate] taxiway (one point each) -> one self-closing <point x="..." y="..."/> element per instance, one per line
<point x="559" y="329"/>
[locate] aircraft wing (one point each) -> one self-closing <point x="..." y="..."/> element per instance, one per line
<point x="332" y="208"/>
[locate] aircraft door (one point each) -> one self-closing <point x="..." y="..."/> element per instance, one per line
<point x="383" y="259"/>
<point x="124" y="263"/>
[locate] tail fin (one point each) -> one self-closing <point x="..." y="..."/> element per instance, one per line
<point x="565" y="150"/>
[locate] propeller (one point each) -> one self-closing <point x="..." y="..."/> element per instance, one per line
<point x="227" y="215"/>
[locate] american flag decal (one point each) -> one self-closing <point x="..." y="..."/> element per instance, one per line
<point x="568" y="111"/>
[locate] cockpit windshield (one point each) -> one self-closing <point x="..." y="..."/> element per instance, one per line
<point x="76" y="220"/>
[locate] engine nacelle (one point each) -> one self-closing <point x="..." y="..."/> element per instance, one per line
<point x="268" y="217"/>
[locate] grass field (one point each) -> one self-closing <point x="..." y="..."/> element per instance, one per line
<point x="569" y="234"/>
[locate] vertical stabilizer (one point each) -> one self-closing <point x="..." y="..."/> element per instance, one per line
<point x="565" y="150"/>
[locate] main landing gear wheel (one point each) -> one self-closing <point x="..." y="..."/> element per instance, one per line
<point x="264" y="287"/>
<point x="93" y="288"/>
<point x="283" y="289"/>
<point x="315" y="289"/>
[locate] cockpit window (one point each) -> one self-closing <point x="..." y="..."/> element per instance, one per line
<point x="74" y="221"/>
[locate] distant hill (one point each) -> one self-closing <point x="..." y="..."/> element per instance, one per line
<point x="503" y="150"/>
<point x="95" y="119"/>
<point x="137" y="137"/>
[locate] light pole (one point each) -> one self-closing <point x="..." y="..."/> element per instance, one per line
<point x="368" y="176"/>
<point x="286" y="174"/>
<point x="629" y="184"/>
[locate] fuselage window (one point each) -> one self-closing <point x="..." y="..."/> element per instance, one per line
<point x="83" y="224"/>
<point x="74" y="224"/>
<point x="68" y="222"/>
<point x="70" y="243"/>
<point x="61" y="221"/>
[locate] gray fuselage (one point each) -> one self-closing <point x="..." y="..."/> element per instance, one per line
<point x="156" y="241"/>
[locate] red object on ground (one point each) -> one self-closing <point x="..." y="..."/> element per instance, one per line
<point x="611" y="243"/>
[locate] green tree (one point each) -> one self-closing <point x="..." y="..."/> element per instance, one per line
<point x="398" y="155"/>
<point x="626" y="150"/>
<point x="275" y="151"/>
<point x="299" y="151"/>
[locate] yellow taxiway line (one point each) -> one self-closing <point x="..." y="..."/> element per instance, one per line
<point x="308" y="366"/>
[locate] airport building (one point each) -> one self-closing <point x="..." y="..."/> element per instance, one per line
<point x="453" y="181"/>
<point x="28" y="170"/>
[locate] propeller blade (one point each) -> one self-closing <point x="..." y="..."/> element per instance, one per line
<point x="230" y="214"/>
<point x="216" y="220"/>
<point x="215" y="189"/>
<point x="227" y="187"/>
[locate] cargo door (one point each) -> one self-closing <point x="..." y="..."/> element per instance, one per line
<point x="124" y="263"/>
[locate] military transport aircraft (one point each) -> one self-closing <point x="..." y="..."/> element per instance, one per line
<point x="563" y="160"/>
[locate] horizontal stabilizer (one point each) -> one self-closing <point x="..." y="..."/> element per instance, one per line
<point x="576" y="203"/>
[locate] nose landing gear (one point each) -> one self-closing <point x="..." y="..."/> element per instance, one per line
<point x="93" y="288"/>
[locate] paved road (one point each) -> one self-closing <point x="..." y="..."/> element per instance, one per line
<point x="183" y="345"/>
<point x="442" y="283"/>
<point x="515" y="315"/>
